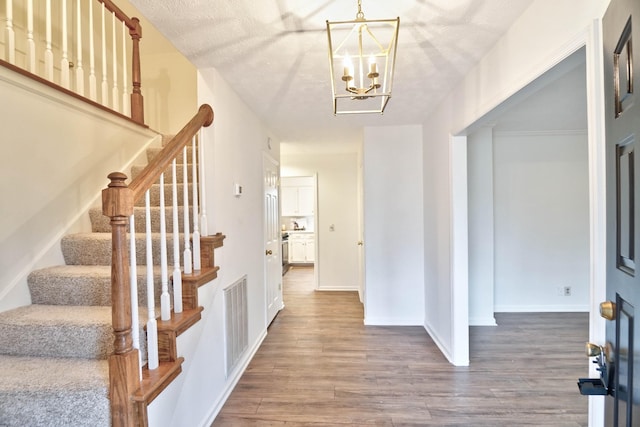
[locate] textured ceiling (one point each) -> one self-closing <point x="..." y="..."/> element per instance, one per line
<point x="274" y="53"/>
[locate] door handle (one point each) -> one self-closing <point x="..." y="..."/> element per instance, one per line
<point x="268" y="252"/>
<point x="608" y="310"/>
<point x="360" y="243"/>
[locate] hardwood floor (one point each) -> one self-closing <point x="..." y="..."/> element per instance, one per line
<point x="320" y="366"/>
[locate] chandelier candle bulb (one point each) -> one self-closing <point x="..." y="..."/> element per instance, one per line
<point x="348" y="68"/>
<point x="373" y="67"/>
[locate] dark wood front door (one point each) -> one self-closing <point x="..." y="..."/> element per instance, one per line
<point x="621" y="26"/>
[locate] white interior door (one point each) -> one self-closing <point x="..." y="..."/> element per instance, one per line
<point x="272" y="236"/>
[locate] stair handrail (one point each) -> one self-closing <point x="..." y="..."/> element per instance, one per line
<point x="118" y="201"/>
<point x="151" y="173"/>
<point x="115" y="98"/>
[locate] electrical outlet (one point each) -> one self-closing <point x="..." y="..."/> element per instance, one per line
<point x="567" y="291"/>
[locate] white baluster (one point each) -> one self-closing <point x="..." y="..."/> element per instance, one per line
<point x="48" y="52"/>
<point x="126" y="104"/>
<point x="31" y="44"/>
<point x="204" y="230"/>
<point x="79" y="66"/>
<point x="115" y="94"/>
<point x="186" y="229"/>
<point x="105" y="85"/>
<point x="133" y="285"/>
<point x="93" y="91"/>
<point x="152" y="324"/>
<point x="64" y="61"/>
<point x="10" y="35"/>
<point x="165" y="302"/>
<point x="177" y="273"/>
<point x="194" y="187"/>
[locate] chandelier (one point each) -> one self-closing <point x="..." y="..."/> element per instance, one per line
<point x="366" y="49"/>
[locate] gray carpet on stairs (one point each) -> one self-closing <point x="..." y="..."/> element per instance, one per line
<point x="39" y="392"/>
<point x="95" y="248"/>
<point x="58" y="331"/>
<point x="84" y="285"/>
<point x="53" y="367"/>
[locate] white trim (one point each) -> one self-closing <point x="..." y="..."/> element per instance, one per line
<point x="443" y="348"/>
<point x="459" y="235"/>
<point x="532" y="73"/>
<point x="597" y="200"/>
<point x="237" y="374"/>
<point x="393" y="321"/>
<point x="352" y="288"/>
<point x="545" y="308"/>
<point x="482" y="321"/>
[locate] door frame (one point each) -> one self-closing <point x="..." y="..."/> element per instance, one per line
<point x="591" y="39"/>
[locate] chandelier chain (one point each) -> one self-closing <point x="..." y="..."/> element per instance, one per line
<point x="360" y="14"/>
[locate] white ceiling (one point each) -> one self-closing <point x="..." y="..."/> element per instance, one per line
<point x="274" y="53"/>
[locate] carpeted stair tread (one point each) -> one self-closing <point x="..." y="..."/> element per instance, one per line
<point x="152" y="152"/>
<point x="83" y="285"/>
<point x="154" y="195"/>
<point x="95" y="248"/>
<point x="57" y="331"/>
<point x="53" y="392"/>
<point x="53" y="360"/>
<point x="168" y="173"/>
<point x="102" y="224"/>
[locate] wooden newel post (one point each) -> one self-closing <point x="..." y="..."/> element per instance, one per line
<point x="137" y="106"/>
<point x="124" y="380"/>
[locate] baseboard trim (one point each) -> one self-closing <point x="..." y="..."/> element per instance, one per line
<point x="546" y="308"/>
<point x="443" y="348"/>
<point x="482" y="321"/>
<point x="217" y="406"/>
<point x="389" y="321"/>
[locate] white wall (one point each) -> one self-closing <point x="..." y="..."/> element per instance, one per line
<point x="481" y="264"/>
<point x="438" y="317"/>
<point x="52" y="173"/>
<point x="337" y="205"/>
<point x="393" y="225"/>
<point x="234" y="148"/>
<point x="544" y="35"/>
<point x="541" y="221"/>
<point x="169" y="80"/>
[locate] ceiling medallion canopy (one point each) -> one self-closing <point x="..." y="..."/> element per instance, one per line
<point x="365" y="54"/>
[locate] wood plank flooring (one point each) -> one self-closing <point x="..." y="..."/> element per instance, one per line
<point x="320" y="366"/>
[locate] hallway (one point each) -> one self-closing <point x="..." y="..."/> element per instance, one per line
<point x="320" y="366"/>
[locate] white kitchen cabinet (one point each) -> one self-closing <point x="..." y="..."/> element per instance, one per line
<point x="302" y="248"/>
<point x="297" y="196"/>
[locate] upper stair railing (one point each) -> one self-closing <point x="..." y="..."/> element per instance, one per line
<point x="82" y="46"/>
<point x="118" y="201"/>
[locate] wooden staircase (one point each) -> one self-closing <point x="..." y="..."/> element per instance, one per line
<point x="130" y="396"/>
<point x="48" y="362"/>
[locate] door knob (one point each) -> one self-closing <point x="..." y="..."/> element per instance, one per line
<point x="360" y="243"/>
<point x="268" y="252"/>
<point x="593" y="349"/>
<point x="608" y="310"/>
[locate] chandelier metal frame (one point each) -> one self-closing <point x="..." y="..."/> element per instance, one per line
<point x="364" y="80"/>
